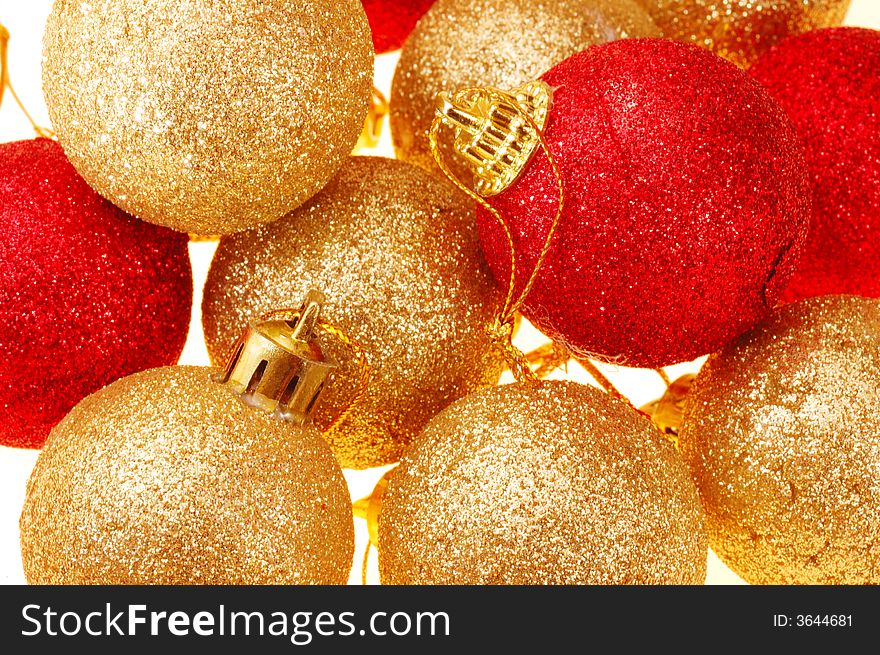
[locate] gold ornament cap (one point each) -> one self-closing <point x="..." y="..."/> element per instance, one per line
<point x="278" y="365"/>
<point x="495" y="130"/>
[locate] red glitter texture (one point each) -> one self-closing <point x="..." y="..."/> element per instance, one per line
<point x="829" y="83"/>
<point x="391" y="22"/>
<point x="88" y="294"/>
<point x="687" y="204"/>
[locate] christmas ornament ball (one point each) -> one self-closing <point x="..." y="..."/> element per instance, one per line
<point x="686" y="204"/>
<point x="394" y="250"/>
<point x="448" y="50"/>
<point x="207" y="117"/>
<point x="782" y="437"/>
<point x="827" y="82"/>
<point x="391" y="21"/>
<point x="88" y="293"/>
<point x="555" y="483"/>
<point x="741" y="30"/>
<point x="167" y="477"/>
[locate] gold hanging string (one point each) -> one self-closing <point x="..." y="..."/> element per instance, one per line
<point x="5" y="84"/>
<point x="604" y="382"/>
<point x="366" y="563"/>
<point x="663" y="376"/>
<point x="369" y="509"/>
<point x="547" y="358"/>
<point x="365" y="370"/>
<point x="376" y="115"/>
<point x="501" y="329"/>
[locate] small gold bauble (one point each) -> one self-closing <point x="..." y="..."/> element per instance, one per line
<point x="497" y="43"/>
<point x="554" y="483"/>
<point x="741" y="30"/>
<point x="782" y="435"/>
<point x="396" y="254"/>
<point x="167" y="477"/>
<point x="207" y="117"/>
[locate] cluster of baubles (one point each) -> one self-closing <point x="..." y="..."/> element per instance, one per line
<point x="685" y="198"/>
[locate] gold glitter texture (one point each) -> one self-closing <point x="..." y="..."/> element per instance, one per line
<point x="207" y="117"/>
<point x="496" y="43"/>
<point x="395" y="252"/>
<point x="741" y="30"/>
<point x="166" y="477"/>
<point x="782" y="435"/>
<point x="553" y="483"/>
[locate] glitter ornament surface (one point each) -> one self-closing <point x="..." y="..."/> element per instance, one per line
<point x="395" y="252"/>
<point x="782" y="435"/>
<point x="167" y="477"/>
<point x="555" y="483"/>
<point x="207" y="117"/>
<point x="687" y="202"/>
<point x="741" y="30"/>
<point x="391" y="21"/>
<point x="88" y="294"/>
<point x="828" y="83"/>
<point x="501" y="43"/>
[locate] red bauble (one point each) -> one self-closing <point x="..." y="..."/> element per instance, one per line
<point x="687" y="204"/>
<point x="829" y="82"/>
<point x="88" y="294"/>
<point x="392" y="20"/>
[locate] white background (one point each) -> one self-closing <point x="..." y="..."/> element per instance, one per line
<point x="25" y="20"/>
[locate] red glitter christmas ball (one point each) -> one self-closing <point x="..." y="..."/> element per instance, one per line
<point x="392" y="20"/>
<point x="88" y="294"/>
<point x="829" y="83"/>
<point x="686" y="205"/>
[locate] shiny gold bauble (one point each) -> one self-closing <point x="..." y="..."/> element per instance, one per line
<point x="207" y="117"/>
<point x="555" y="483"/>
<point x="741" y="30"/>
<point x="782" y="434"/>
<point x="500" y="43"/>
<point x="167" y="477"/>
<point x="395" y="252"/>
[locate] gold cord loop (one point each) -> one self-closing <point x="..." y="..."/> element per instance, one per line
<point x="376" y="116"/>
<point x="5" y="84"/>
<point x="501" y="329"/>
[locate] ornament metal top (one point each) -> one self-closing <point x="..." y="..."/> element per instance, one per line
<point x="496" y="132"/>
<point x="278" y="365"/>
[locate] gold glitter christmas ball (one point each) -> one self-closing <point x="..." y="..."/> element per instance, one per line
<point x="741" y="30"/>
<point x="207" y="117"/>
<point x="167" y="477"/>
<point x="395" y="252"/>
<point x="782" y="435"/>
<point x="555" y="483"/>
<point x="500" y="43"/>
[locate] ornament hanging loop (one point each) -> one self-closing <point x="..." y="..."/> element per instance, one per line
<point x="376" y="115"/>
<point x="5" y="84"/>
<point x="497" y="134"/>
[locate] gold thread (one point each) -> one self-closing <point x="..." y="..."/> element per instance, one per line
<point x="547" y="358"/>
<point x="663" y="376"/>
<point x="365" y="371"/>
<point x="5" y="83"/>
<point x="359" y="507"/>
<point x="376" y="115"/>
<point x="366" y="563"/>
<point x="501" y="329"/>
